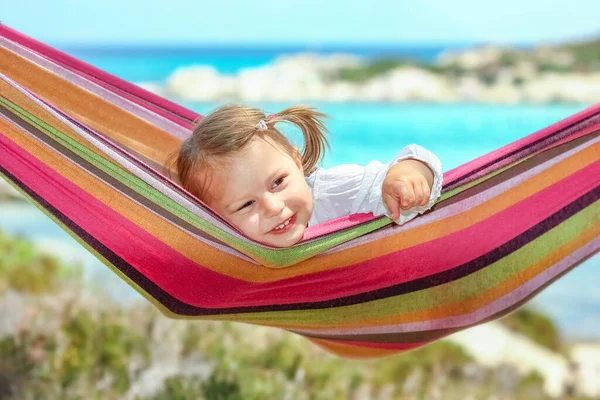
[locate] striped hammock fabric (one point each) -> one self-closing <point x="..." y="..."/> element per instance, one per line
<point x="87" y="148"/>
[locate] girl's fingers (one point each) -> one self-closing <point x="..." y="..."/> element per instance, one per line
<point x="392" y="205"/>
<point x="405" y="193"/>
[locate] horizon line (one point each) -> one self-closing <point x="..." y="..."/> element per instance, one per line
<point x="276" y="45"/>
<point x="328" y="45"/>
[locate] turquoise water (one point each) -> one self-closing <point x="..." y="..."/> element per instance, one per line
<point x="358" y="133"/>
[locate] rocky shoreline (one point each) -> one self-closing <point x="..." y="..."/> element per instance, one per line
<point x="486" y="75"/>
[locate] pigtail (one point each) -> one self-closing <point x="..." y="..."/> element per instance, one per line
<point x="310" y="122"/>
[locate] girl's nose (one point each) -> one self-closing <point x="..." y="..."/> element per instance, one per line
<point x="272" y="205"/>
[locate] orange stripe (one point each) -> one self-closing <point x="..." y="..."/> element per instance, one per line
<point x="110" y="120"/>
<point x="352" y="351"/>
<point x="14" y="96"/>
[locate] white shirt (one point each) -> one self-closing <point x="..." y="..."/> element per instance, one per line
<point x="352" y="189"/>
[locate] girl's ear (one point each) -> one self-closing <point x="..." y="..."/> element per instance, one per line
<point x="298" y="158"/>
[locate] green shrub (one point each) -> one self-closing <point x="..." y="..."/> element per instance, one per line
<point x="536" y="326"/>
<point x="25" y="269"/>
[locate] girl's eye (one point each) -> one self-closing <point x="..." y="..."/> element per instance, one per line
<point x="246" y="204"/>
<point x="278" y="182"/>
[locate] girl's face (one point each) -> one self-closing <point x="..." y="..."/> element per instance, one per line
<point x="262" y="191"/>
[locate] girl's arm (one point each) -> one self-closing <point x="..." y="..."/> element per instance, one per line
<point x="351" y="189"/>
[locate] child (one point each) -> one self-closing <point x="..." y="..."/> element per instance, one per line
<point x="241" y="166"/>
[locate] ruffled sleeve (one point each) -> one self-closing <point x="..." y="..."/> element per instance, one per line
<point x="352" y="189"/>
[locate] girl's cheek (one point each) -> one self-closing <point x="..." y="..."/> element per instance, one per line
<point x="252" y="223"/>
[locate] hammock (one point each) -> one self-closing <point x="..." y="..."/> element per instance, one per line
<point x="87" y="148"/>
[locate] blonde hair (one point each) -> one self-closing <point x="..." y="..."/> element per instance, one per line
<point x="229" y="128"/>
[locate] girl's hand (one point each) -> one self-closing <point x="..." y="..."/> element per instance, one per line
<point x="406" y="185"/>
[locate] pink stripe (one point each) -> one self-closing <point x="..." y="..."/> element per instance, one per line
<point x="579" y="134"/>
<point x="545" y="145"/>
<point x="111" y="82"/>
<point x="131" y="96"/>
<point x="460" y="171"/>
<point x="336" y="225"/>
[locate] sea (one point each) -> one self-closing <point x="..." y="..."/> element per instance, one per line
<point x="359" y="133"/>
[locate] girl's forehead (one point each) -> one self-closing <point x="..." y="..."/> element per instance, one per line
<point x="258" y="153"/>
<point x="259" y="144"/>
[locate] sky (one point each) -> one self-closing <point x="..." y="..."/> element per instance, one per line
<point x="313" y="22"/>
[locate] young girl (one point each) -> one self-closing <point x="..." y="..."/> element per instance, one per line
<point x="241" y="166"/>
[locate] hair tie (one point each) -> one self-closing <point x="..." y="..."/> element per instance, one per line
<point x="262" y="125"/>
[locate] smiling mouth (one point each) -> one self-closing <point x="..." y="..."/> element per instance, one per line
<point x="284" y="226"/>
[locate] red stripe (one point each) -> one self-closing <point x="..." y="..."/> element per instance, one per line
<point x="391" y="346"/>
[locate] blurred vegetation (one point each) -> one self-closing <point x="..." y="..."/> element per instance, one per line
<point x="536" y="326"/>
<point x="71" y="345"/>
<point x="26" y="269"/>
<point x="587" y="54"/>
<point x="586" y="58"/>
<point x="61" y="352"/>
<point x="375" y="68"/>
<point x="384" y="65"/>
